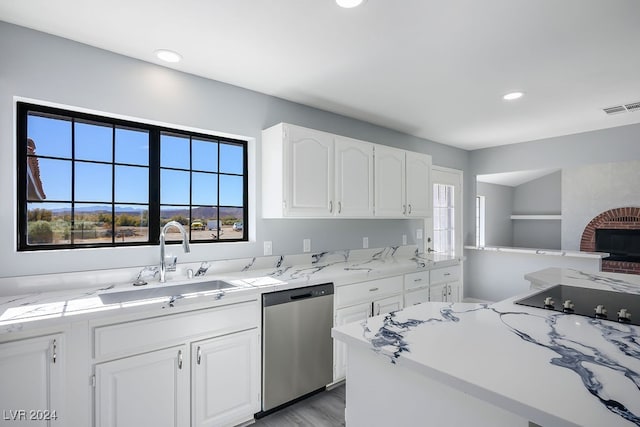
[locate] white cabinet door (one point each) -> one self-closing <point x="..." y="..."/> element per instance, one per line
<point x="445" y="292"/>
<point x="225" y="390"/>
<point x="453" y="293"/>
<point x="150" y="389"/>
<point x="355" y="313"/>
<point x="438" y="293"/>
<point x="389" y="182"/>
<point x="308" y="176"/>
<point x="418" y="184"/>
<point x="353" y="178"/>
<point x="32" y="373"/>
<point x="387" y="305"/>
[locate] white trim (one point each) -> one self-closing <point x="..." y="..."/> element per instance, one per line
<point x="554" y="217"/>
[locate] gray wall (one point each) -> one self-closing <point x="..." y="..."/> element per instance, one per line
<point x="589" y="190"/>
<point x="619" y="144"/>
<point x="542" y="196"/>
<point x="615" y="145"/>
<point x="48" y="68"/>
<point x="498" y="205"/>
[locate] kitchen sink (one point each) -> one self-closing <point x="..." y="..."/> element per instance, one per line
<point x="158" y="291"/>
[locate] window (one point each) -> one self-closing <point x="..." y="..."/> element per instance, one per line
<point x="444" y="219"/>
<point x="91" y="181"/>
<point x="480" y="221"/>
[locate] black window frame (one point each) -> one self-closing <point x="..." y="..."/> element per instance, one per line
<point x="23" y="109"/>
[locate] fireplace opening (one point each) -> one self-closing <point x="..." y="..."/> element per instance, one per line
<point x="622" y="244"/>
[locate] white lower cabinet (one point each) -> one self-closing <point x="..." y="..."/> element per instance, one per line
<point x="32" y="382"/>
<point x="198" y="369"/>
<point x="356" y="313"/>
<point x="445" y="292"/>
<point x="359" y="301"/>
<point x="444" y="284"/>
<point x="150" y="389"/>
<point x="416" y="297"/>
<point x="224" y="379"/>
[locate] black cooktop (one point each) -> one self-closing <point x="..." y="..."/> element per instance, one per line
<point x="594" y="303"/>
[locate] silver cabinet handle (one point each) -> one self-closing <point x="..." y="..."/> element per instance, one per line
<point x="199" y="357"/>
<point x="330" y="206"/>
<point x="179" y="359"/>
<point x="373" y="289"/>
<point x="404" y="209"/>
<point x="54" y="353"/>
<point x="339" y="207"/>
<point x="447" y="274"/>
<point x="417" y="280"/>
<point x="409" y="208"/>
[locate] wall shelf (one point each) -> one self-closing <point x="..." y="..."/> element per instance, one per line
<point x="537" y="217"/>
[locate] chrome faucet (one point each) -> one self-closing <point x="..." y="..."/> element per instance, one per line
<point x="172" y="260"/>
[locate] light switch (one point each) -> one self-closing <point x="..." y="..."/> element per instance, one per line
<point x="404" y="239"/>
<point x="268" y="248"/>
<point x="419" y="234"/>
<point x="306" y="245"/>
<point x="365" y="242"/>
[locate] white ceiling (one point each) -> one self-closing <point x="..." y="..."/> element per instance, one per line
<point x="436" y="69"/>
<point x="514" y="179"/>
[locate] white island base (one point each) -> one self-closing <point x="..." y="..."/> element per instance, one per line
<point x="382" y="394"/>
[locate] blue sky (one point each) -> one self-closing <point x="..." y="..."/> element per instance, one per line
<point x="93" y="181"/>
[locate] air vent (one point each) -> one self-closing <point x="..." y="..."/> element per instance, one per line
<point x="634" y="106"/>
<point x="615" y="110"/>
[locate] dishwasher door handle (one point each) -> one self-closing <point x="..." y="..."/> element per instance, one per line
<point x="301" y="296"/>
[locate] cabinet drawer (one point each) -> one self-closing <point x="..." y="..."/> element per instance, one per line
<point x="416" y="280"/>
<point x="446" y="274"/>
<point x="416" y="297"/>
<point x="149" y="334"/>
<point x="367" y="291"/>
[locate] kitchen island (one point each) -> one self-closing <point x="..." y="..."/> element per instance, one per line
<point x="491" y="365"/>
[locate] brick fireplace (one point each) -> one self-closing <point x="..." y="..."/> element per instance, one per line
<point x="627" y="218"/>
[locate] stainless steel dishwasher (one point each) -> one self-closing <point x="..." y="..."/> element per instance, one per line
<point x="297" y="348"/>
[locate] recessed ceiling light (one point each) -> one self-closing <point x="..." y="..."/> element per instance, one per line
<point x="348" y="4"/>
<point x="513" y="95"/>
<point x="168" y="55"/>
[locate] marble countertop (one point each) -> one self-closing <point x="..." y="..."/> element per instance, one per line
<point x="251" y="277"/>
<point x="552" y="368"/>
<point x="535" y="251"/>
<point x="629" y="283"/>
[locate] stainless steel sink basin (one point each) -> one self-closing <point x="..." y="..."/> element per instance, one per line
<point x="163" y="291"/>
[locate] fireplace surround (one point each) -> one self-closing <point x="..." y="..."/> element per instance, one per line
<point x="622" y="219"/>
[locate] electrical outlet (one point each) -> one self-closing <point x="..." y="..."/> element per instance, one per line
<point x="306" y="245"/>
<point x="419" y="234"/>
<point x="404" y="239"/>
<point x="365" y="242"/>
<point x="268" y="248"/>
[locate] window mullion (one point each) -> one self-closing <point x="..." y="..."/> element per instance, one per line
<point x="154" y="186"/>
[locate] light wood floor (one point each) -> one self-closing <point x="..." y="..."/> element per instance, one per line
<point x="324" y="409"/>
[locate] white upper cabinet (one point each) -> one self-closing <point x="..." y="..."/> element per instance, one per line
<point x="390" y="182"/>
<point x="308" y="179"/>
<point x="353" y="178"/>
<point x="402" y="183"/>
<point x="312" y="174"/>
<point x="418" y="184"/>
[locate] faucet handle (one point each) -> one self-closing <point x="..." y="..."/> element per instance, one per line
<point x="170" y="262"/>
